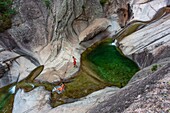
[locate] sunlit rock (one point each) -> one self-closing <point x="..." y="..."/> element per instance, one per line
<point x="97" y="26"/>
<point x="141" y="43"/>
<point x="145" y="9"/>
<point x="88" y="102"/>
<point x="34" y="101"/>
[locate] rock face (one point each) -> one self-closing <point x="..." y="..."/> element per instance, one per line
<point x="25" y="67"/>
<point x="145" y="91"/>
<point x="156" y="99"/>
<point x="137" y="46"/>
<point x="155" y="94"/>
<point x="98" y="25"/>
<point x="48" y="34"/>
<point x="119" y="7"/>
<point x="145" y="9"/>
<point x="148" y="45"/>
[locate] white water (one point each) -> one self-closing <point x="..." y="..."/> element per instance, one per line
<point x="32" y="85"/>
<point x="114" y="43"/>
<point x="12" y="89"/>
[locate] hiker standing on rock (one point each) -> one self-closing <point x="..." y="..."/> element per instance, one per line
<point x="74" y="62"/>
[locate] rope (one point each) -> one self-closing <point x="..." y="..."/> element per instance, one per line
<point x="68" y="60"/>
<point x="67" y="64"/>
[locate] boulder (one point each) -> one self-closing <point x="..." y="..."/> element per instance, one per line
<point x="97" y="26"/>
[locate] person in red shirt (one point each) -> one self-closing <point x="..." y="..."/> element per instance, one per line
<point x="74" y="62"/>
<point x="61" y="88"/>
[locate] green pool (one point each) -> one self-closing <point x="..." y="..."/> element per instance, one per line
<point x="111" y="65"/>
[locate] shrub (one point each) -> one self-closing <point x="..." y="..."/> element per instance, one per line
<point x="6" y="13"/>
<point x="154" y="68"/>
<point x="83" y="7"/>
<point x="102" y="2"/>
<point x="47" y="3"/>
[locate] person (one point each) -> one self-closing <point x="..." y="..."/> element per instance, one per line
<point x="74" y="62"/>
<point x="59" y="89"/>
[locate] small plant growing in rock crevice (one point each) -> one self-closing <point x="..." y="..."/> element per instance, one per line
<point x="47" y="3"/>
<point x="83" y="7"/>
<point x="6" y="13"/>
<point x="103" y="2"/>
<point x="154" y="68"/>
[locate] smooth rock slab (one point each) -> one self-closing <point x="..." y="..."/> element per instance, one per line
<point x="21" y="66"/>
<point x="155" y="100"/>
<point x="86" y="103"/>
<point x="148" y="38"/>
<point x="145" y="10"/>
<point x="35" y="101"/>
<point x="97" y="26"/>
<point x="148" y="88"/>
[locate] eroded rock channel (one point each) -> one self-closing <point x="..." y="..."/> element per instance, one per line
<point x="102" y="65"/>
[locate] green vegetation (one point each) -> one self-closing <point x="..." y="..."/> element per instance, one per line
<point x="6" y="100"/>
<point x="6" y="13"/>
<point x="111" y="65"/>
<point x="169" y="82"/>
<point x="47" y="3"/>
<point x="128" y="30"/>
<point x="103" y="2"/>
<point x="83" y="7"/>
<point x="154" y="68"/>
<point x="82" y="84"/>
